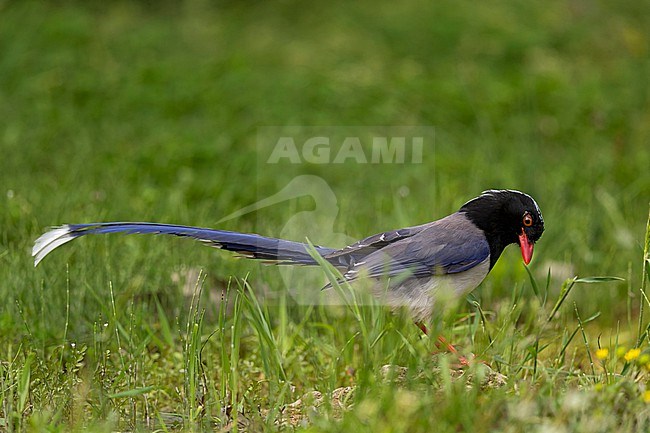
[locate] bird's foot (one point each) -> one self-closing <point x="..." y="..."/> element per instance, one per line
<point x="463" y="361"/>
<point x="442" y="343"/>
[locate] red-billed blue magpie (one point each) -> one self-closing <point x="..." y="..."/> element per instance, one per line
<point x="409" y="265"/>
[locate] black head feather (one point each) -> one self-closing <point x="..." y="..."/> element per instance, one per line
<point x="500" y="214"/>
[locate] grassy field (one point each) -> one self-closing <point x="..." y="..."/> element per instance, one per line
<point x="158" y="112"/>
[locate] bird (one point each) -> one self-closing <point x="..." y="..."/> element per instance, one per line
<point x="408" y="267"/>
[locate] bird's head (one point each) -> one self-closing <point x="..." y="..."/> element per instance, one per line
<point x="507" y="217"/>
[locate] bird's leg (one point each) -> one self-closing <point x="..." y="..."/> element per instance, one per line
<point x="442" y="341"/>
<point x="463" y="361"/>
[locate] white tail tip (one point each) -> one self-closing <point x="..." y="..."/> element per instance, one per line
<point x="50" y="241"/>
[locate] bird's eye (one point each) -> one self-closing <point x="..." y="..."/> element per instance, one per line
<point x="528" y="220"/>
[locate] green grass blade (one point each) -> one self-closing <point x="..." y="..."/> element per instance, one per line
<point x="645" y="275"/>
<point x="132" y="392"/>
<point x="533" y="281"/>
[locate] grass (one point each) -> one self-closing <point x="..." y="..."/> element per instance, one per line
<point x="135" y="111"/>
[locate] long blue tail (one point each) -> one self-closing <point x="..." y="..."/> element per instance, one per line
<point x="250" y="245"/>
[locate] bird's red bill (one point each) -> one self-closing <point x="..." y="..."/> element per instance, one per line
<point x="526" y="247"/>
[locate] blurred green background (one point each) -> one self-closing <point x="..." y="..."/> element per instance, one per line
<point x="149" y="111"/>
<point x="138" y="111"/>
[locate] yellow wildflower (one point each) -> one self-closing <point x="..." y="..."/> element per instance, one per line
<point x="632" y="354"/>
<point x="646" y="396"/>
<point x="602" y="353"/>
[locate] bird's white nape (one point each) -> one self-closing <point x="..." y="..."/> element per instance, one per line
<point x="492" y="192"/>
<point x="50" y="241"/>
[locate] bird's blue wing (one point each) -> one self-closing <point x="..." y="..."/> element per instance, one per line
<point x="448" y="246"/>
<point x="349" y="255"/>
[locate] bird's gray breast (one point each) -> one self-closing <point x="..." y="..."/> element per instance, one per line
<point x="422" y="295"/>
